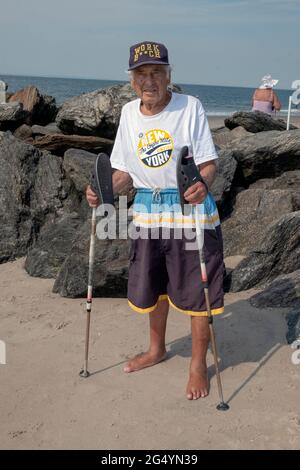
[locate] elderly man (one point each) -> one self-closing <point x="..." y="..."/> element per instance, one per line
<point x="162" y="272"/>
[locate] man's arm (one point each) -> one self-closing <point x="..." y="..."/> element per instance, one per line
<point x="120" y="180"/>
<point x="197" y="192"/>
<point x="208" y="172"/>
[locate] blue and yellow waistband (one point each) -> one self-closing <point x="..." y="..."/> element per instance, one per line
<point x="161" y="208"/>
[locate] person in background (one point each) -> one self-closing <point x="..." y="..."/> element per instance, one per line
<point x="264" y="98"/>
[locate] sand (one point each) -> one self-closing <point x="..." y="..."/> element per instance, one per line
<point x="44" y="404"/>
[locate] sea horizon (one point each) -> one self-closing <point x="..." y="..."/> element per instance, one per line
<point x="66" y="77"/>
<point x="218" y="100"/>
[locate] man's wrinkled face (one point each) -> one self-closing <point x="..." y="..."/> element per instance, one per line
<point x="150" y="83"/>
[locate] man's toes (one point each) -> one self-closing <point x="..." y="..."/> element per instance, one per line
<point x="128" y="368"/>
<point x="195" y="394"/>
<point x="192" y="394"/>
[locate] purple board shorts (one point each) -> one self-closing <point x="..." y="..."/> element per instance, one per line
<point x="163" y="269"/>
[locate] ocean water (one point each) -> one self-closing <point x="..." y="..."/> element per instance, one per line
<point x="217" y="100"/>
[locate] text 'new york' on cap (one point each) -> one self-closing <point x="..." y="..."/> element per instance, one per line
<point x="148" y="52"/>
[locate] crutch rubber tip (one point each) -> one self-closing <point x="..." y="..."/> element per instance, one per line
<point x="222" y="406"/>
<point x="84" y="373"/>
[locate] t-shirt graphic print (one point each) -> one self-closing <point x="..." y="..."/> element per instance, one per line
<point x="155" y="148"/>
<point x="147" y="146"/>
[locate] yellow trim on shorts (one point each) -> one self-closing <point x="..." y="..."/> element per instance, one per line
<point x="149" y="309"/>
<point x="214" y="311"/>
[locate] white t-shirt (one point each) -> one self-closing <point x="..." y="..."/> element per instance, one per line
<point x="147" y="147"/>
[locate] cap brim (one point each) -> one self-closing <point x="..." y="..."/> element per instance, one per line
<point x="148" y="62"/>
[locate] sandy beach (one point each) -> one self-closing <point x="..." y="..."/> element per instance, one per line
<point x="44" y="404"/>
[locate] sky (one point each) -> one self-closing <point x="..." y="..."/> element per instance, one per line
<point x="213" y="42"/>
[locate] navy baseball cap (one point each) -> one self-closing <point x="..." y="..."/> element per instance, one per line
<point x="148" y="52"/>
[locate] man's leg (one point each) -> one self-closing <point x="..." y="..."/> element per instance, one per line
<point x="198" y="381"/>
<point x="157" y="349"/>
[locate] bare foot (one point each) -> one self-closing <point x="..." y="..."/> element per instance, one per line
<point x="143" y="360"/>
<point x="197" y="386"/>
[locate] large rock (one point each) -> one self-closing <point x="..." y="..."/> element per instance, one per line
<point x="50" y="189"/>
<point x="58" y="232"/>
<point x="110" y="267"/>
<point x="290" y="180"/>
<point x="59" y="143"/>
<point x="224" y="136"/>
<point x="12" y="115"/>
<point x="18" y="170"/>
<point x="23" y="132"/>
<point x="254" y="211"/>
<point x="225" y="174"/>
<point x="97" y="113"/>
<point x="56" y="236"/>
<point x="267" y="154"/>
<point x="33" y="190"/>
<point x="29" y="97"/>
<point x="40" y="109"/>
<point x="278" y="253"/>
<point x="46" y="111"/>
<point x="30" y="132"/>
<point x="78" y="166"/>
<point x="284" y="291"/>
<point x="47" y="255"/>
<point x="51" y="128"/>
<point x="255" y="122"/>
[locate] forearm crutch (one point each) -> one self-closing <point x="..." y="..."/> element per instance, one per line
<point x="200" y="241"/>
<point x="84" y="372"/>
<point x="101" y="184"/>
